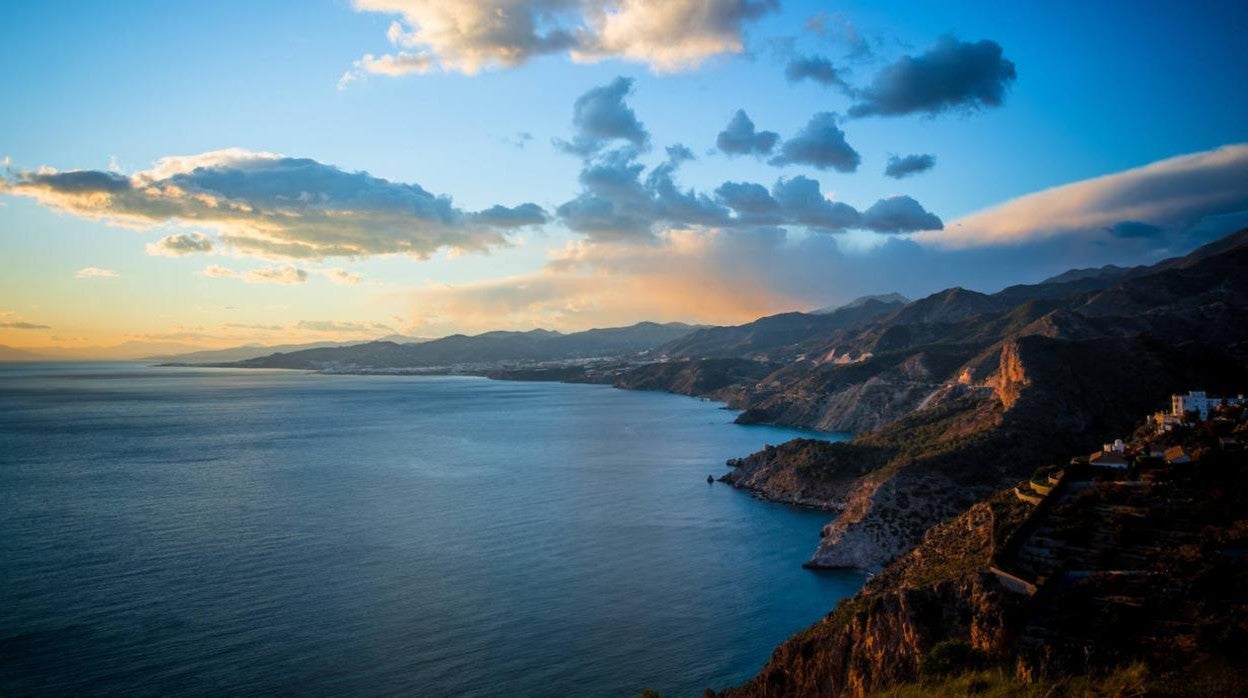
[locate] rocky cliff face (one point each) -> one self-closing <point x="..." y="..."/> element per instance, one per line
<point x="1148" y="571"/>
<point x="880" y="637"/>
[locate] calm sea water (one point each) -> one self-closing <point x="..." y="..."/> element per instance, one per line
<point x="173" y="530"/>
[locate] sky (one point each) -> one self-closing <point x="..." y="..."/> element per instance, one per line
<point x="195" y="175"/>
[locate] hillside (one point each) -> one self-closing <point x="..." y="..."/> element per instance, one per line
<point x="964" y="392"/>
<point x="1091" y="579"/>
<point x="535" y="345"/>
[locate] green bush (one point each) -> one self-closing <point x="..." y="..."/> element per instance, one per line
<point x="949" y="657"/>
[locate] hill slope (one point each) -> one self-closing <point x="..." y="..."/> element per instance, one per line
<point x="964" y="392"/>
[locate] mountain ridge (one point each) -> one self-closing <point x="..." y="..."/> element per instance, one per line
<point x="528" y="346"/>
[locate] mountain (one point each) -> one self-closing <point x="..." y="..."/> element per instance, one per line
<point x="782" y="336"/>
<point x="8" y="353"/>
<point x="252" y="351"/>
<point x="863" y="300"/>
<point x="1109" y="271"/>
<point x="533" y="346"/>
<point x="957" y="394"/>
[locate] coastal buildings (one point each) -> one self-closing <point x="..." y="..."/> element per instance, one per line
<point x="1109" y="459"/>
<point x="1200" y="403"/>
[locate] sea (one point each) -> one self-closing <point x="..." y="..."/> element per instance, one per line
<point x="200" y="531"/>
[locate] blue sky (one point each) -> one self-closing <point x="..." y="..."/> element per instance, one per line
<point x="1101" y="88"/>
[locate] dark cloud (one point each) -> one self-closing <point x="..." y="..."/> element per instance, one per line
<point x="740" y="138"/>
<point x="821" y="144"/>
<point x="899" y="167"/>
<point x="79" y="181"/>
<point x="1135" y="229"/>
<point x="601" y="116"/>
<point x="677" y="154"/>
<point x="749" y="200"/>
<point x="816" y="68"/>
<point x="899" y="214"/>
<point x="803" y="203"/>
<point x="511" y="217"/>
<point x="952" y="74"/>
<point x="613" y="203"/>
<point x="22" y="325"/>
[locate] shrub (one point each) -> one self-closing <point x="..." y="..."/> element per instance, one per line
<point x="949" y="657"/>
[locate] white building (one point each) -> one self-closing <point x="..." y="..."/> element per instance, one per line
<point x="1197" y="401"/>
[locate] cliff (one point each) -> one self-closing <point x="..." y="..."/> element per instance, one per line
<point x="806" y="472"/>
<point x="1144" y="577"/>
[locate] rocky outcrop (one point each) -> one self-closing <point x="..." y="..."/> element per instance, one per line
<point x="806" y="472"/>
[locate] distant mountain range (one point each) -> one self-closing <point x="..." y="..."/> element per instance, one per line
<point x="252" y="351"/>
<point x="491" y="347"/>
<point x="8" y="353"/>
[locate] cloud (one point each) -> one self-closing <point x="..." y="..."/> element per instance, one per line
<point x="740" y="138"/>
<point x="668" y="35"/>
<point x="1176" y="194"/>
<point x="511" y="217"/>
<point x="216" y="271"/>
<point x="751" y="201"/>
<point x="95" y="273"/>
<point x="343" y="327"/>
<point x="282" y="274"/>
<point x="600" y="116"/>
<point x="816" y="68"/>
<point x="468" y="36"/>
<point x="901" y="167"/>
<point x="837" y="27"/>
<point x="393" y="65"/>
<point x="899" y="214"/>
<point x="821" y="144"/>
<point x="270" y="205"/>
<point x="804" y="204"/>
<point x="180" y="245"/>
<point x="952" y="74"/>
<point x="341" y="277"/>
<point x="23" y="325"/>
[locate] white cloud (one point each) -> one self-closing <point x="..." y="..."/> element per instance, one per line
<point x="280" y="274"/>
<point x="180" y="245"/>
<point x="268" y="205"/>
<point x="277" y="274"/>
<point x="342" y="277"/>
<point x="668" y="35"/>
<point x="95" y="273"/>
<point x="468" y="36"/>
<point x="216" y="271"/>
<point x="1175" y="193"/>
